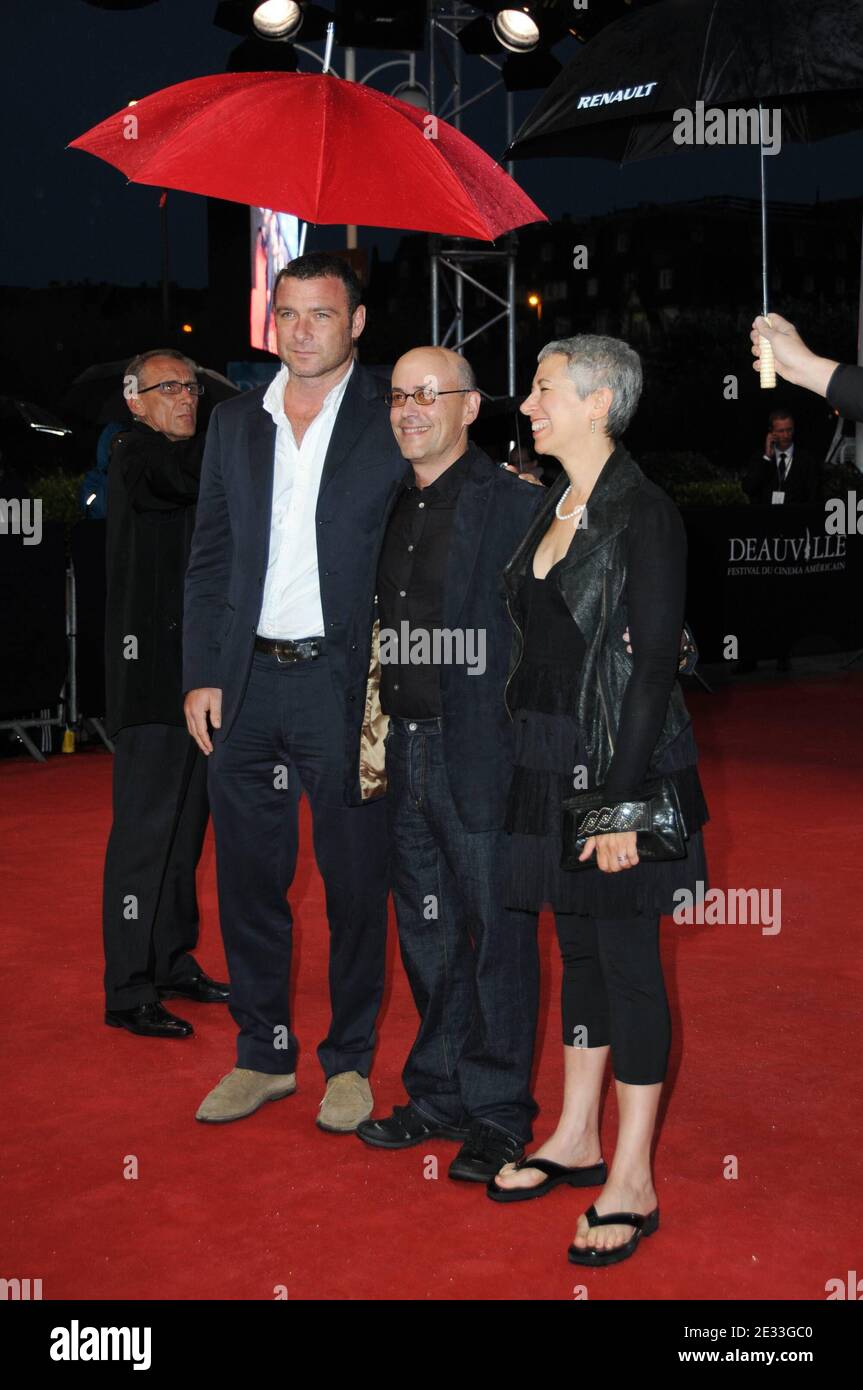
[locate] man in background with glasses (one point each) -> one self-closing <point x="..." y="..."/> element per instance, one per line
<point x="150" y="908"/>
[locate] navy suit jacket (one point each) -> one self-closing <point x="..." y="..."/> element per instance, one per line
<point x="493" y="512"/>
<point x="224" y="584"/>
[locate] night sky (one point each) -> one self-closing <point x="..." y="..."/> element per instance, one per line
<point x="68" y="216"/>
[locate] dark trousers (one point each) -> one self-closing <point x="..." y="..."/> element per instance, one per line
<point x="288" y="738"/>
<point x="150" y="903"/>
<point x="472" y="964"/>
<point x="613" y="993"/>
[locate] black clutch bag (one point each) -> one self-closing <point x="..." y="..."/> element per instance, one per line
<point x="656" y="819"/>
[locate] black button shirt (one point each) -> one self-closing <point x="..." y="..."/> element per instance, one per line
<point x="411" y="574"/>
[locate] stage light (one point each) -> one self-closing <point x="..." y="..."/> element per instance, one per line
<point x="279" y="20"/>
<point x="478" y="36"/>
<point x="384" y="24"/>
<point x="516" y="30"/>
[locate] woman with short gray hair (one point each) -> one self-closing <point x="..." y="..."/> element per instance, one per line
<point x="599" y="722"/>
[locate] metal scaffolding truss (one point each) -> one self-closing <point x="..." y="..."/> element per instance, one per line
<point x="457" y="262"/>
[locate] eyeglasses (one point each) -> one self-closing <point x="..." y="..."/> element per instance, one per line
<point x="424" y="395"/>
<point x="174" y="388"/>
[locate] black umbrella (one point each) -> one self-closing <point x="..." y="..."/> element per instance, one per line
<point x="634" y="90"/>
<point x="97" y="394"/>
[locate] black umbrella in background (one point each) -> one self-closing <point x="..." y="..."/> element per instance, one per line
<point x="621" y="96"/>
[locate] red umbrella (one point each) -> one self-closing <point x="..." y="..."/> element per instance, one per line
<point x="315" y="145"/>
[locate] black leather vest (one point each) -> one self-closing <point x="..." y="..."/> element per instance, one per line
<point x="592" y="580"/>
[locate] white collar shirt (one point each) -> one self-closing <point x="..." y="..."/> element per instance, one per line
<point x="291" y="606"/>
<point x="788" y="455"/>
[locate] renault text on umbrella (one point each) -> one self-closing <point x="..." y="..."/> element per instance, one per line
<point x="621" y="94"/>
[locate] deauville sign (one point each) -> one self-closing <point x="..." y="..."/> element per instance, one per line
<point x="784" y="554"/>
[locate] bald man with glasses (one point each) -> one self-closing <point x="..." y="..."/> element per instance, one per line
<point x="160" y="806"/>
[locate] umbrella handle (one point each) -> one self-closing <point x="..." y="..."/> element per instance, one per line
<point x="767" y="363"/>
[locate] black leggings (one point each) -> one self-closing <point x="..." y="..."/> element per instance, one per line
<point x="614" y="993"/>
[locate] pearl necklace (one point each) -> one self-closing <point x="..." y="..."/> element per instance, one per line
<point x="567" y="516"/>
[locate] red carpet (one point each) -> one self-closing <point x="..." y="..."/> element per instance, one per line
<point x="765" y="1068"/>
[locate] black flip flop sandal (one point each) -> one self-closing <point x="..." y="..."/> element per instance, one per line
<point x="556" y="1174"/>
<point x="644" y="1226"/>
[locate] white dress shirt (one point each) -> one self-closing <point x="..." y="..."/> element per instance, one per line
<point x="291" y="604"/>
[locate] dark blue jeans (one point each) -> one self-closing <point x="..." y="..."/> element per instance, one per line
<point x="472" y="963"/>
<point x="288" y="738"/>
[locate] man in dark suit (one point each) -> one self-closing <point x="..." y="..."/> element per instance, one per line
<point x="783" y="474"/>
<point x="150" y="907"/>
<point x="445" y="639"/>
<point x="294" y="482"/>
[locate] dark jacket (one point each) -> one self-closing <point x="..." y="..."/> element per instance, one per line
<point x="845" y="392"/>
<point x="593" y="582"/>
<point x="152" y="488"/>
<point x="492" y="513"/>
<point x="230" y="546"/>
<point x="802" y="486"/>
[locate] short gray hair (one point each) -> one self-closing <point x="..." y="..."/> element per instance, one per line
<point x="134" y="368"/>
<point x="593" y="361"/>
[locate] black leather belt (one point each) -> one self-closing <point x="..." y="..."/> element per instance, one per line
<point x="286" y="651"/>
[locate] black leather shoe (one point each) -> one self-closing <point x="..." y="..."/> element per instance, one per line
<point x="484" y="1153"/>
<point x="405" y="1127"/>
<point x="200" y="988"/>
<point x="149" y="1021"/>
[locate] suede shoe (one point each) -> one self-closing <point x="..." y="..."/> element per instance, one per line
<point x="149" y="1021"/>
<point x="484" y="1153"/>
<point x="404" y="1128"/>
<point x="347" y="1102"/>
<point x="242" y="1092"/>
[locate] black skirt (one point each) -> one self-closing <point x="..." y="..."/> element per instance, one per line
<point x="549" y="751"/>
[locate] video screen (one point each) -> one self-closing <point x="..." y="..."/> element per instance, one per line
<point x="274" y="243"/>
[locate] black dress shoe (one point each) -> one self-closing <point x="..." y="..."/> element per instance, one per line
<point x="405" y="1127"/>
<point x="484" y="1153"/>
<point x="149" y="1021"/>
<point x="200" y="988"/>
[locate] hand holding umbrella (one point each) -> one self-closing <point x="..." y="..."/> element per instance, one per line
<point x="794" y="361"/>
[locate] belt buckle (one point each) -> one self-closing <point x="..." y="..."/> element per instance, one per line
<point x="287" y="660"/>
